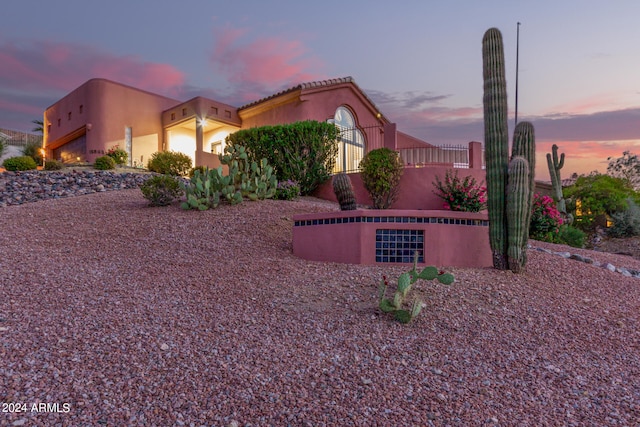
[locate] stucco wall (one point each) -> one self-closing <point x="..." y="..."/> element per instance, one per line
<point x="416" y="187"/>
<point x="103" y="109"/>
<point x="451" y="239"/>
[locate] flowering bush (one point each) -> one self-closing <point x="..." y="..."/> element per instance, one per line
<point x="118" y="154"/>
<point x="545" y="219"/>
<point x="461" y="194"/>
<point x="287" y="190"/>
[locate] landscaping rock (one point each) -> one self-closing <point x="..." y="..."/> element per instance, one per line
<point x="31" y="186"/>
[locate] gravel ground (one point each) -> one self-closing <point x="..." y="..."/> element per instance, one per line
<point x="118" y="314"/>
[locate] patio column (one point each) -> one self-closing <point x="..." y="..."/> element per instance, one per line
<point x="199" y="142"/>
<point x="390" y="140"/>
<point x="475" y="155"/>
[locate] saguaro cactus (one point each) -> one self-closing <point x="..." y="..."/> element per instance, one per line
<point x="510" y="186"/>
<point x="496" y="140"/>
<point x="518" y="211"/>
<point x="524" y="144"/>
<point x="556" y="182"/>
<point x="344" y="192"/>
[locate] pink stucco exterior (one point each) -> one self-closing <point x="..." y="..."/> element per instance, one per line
<point x="451" y="239"/>
<point x="101" y="114"/>
<point x="98" y="112"/>
<point x="416" y="184"/>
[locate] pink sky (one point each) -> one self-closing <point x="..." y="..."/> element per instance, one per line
<point x="36" y="73"/>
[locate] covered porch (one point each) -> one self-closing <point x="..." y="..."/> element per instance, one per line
<point x="198" y="128"/>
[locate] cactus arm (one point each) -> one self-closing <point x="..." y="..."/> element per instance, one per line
<point x="518" y="210"/>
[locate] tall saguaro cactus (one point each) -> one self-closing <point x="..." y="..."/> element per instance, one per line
<point x="510" y="185"/>
<point x="496" y="140"/>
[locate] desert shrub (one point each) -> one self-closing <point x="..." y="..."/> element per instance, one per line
<point x="461" y="194"/>
<point x="170" y="163"/>
<point x="626" y="223"/>
<point x="3" y="146"/>
<point x="53" y="165"/>
<point x="202" y="170"/>
<point x="104" y="163"/>
<point x="20" y="163"/>
<point x="32" y="150"/>
<point x="304" y="152"/>
<point x="568" y="235"/>
<point x="545" y="219"/>
<point x="287" y="190"/>
<point x="596" y="195"/>
<point x="161" y="190"/>
<point x="381" y="172"/>
<point x="118" y="155"/>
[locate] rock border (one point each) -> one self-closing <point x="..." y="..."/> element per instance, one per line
<point x="627" y="272"/>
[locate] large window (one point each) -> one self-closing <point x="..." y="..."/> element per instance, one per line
<point x="351" y="142"/>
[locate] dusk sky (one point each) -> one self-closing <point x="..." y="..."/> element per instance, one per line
<point x="419" y="61"/>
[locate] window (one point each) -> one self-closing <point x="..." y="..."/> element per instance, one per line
<point x="80" y="109"/>
<point x="350" y="141"/>
<point x="184" y="111"/>
<point x="216" y="147"/>
<point x="69" y="116"/>
<point x="173" y="116"/>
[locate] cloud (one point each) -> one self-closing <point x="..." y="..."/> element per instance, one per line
<point x="34" y="74"/>
<point x="260" y="67"/>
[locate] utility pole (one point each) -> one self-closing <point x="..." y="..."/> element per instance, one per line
<point x="517" y="58"/>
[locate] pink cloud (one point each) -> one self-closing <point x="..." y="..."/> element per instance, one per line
<point x="259" y="67"/>
<point x="47" y="66"/>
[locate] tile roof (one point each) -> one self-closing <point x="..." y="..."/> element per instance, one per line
<point x="314" y="85"/>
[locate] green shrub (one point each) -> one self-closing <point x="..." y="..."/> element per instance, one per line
<point x="3" y="146"/>
<point x="104" y="163"/>
<point x="118" y="155"/>
<point x="53" y="165"/>
<point x="287" y="190"/>
<point x="596" y="195"/>
<point x="33" y="150"/>
<point x="202" y="170"/>
<point x="568" y="235"/>
<point x="20" y="163"/>
<point x="304" y="152"/>
<point x="626" y="223"/>
<point x="545" y="219"/>
<point x="381" y="172"/>
<point x="161" y="190"/>
<point x="170" y="163"/>
<point x="461" y="195"/>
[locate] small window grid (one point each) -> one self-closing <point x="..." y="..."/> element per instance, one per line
<point x="399" y="246"/>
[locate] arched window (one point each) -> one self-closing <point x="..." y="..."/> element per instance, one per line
<point x="350" y="141"/>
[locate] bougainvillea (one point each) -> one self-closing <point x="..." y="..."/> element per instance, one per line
<point x="545" y="219"/>
<point x="461" y="194"/>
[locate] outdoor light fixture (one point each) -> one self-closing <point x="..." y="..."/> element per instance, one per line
<point x="43" y="153"/>
<point x="202" y="122"/>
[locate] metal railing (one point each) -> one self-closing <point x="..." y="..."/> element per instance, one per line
<point x="18" y="138"/>
<point x="456" y="154"/>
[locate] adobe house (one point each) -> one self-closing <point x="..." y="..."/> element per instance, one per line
<point x="101" y="114"/>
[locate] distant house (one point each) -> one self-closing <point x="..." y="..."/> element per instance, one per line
<point x="101" y="114"/>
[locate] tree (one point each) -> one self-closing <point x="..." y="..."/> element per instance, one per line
<point x="39" y="126"/>
<point x="598" y="195"/>
<point x="626" y="167"/>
